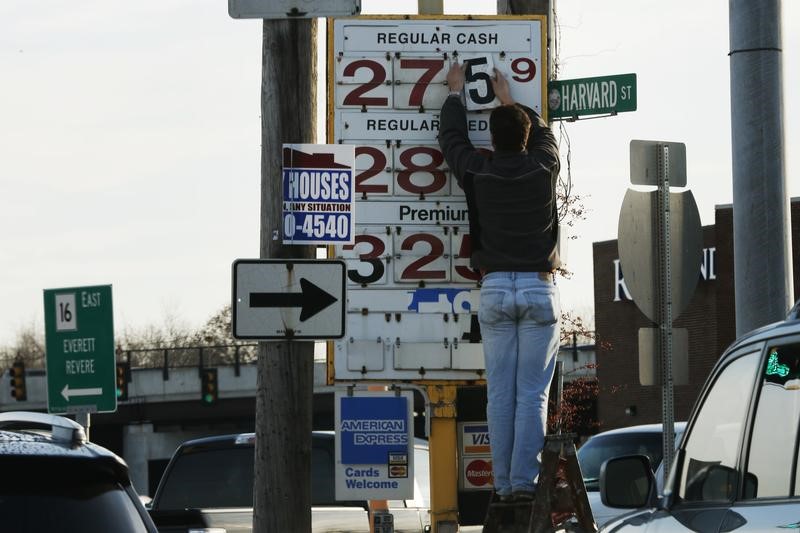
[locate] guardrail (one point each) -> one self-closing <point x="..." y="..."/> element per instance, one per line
<point x="190" y="356"/>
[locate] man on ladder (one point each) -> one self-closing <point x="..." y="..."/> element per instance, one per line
<point x="511" y="197"/>
<point x="513" y="219"/>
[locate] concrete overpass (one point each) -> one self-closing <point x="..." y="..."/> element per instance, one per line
<point x="164" y="407"/>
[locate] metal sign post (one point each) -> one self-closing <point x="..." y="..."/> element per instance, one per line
<point x="653" y="225"/>
<point x="665" y="324"/>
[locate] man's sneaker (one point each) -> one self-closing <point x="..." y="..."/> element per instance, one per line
<point x="505" y="498"/>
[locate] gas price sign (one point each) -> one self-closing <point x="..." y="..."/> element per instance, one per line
<point x="412" y="297"/>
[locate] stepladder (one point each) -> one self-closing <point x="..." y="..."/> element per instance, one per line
<point x="560" y="503"/>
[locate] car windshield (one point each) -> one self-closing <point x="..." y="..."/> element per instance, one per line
<point x="64" y="496"/>
<point x="210" y="478"/>
<point x="601" y="448"/>
<point x="204" y="478"/>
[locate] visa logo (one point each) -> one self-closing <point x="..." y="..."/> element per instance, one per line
<point x="480" y="438"/>
<point x="476" y="440"/>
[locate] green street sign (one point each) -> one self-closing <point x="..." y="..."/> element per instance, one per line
<point x="570" y="99"/>
<point x="79" y="344"/>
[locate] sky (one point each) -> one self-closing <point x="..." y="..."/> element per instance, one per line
<point x="130" y="140"/>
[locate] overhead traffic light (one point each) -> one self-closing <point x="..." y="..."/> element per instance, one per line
<point x="123" y="376"/>
<point x="208" y="386"/>
<point x="17" y="373"/>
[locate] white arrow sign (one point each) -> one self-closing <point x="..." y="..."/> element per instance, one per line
<point x="288" y="299"/>
<point x="66" y="393"/>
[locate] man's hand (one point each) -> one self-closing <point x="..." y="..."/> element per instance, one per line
<point x="455" y="77"/>
<point x="501" y="88"/>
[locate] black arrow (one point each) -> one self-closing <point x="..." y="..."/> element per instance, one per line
<point x="311" y="299"/>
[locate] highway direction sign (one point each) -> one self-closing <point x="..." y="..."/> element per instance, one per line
<point x="298" y="299"/>
<point x="568" y="99"/>
<point x="79" y="342"/>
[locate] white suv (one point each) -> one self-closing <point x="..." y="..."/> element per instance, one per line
<point x="738" y="464"/>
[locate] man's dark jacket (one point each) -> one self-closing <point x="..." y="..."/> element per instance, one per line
<point x="510" y="195"/>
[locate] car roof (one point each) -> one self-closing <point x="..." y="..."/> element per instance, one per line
<point x="246" y="439"/>
<point x="641" y="428"/>
<point x="37" y="435"/>
<point x="789" y="326"/>
<point x="34" y="443"/>
<point x="238" y="438"/>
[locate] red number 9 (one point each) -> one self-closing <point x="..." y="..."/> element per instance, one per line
<point x="525" y="68"/>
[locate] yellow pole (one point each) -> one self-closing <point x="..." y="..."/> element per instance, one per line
<point x="378" y="506"/>
<point x="442" y="441"/>
<point x="443" y="461"/>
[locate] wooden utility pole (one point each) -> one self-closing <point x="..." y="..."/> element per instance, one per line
<point x="284" y="390"/>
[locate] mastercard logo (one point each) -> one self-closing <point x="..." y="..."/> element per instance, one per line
<point x="479" y="473"/>
<point x="398" y="471"/>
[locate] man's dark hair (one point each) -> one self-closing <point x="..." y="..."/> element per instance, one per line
<point x="510" y="127"/>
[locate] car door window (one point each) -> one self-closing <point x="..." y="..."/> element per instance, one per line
<point x="708" y="471"/>
<point x="773" y="443"/>
<point x="208" y="478"/>
<point x="322" y="474"/>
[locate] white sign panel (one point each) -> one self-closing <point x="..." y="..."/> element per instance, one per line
<point x="393" y="127"/>
<point x="288" y="299"/>
<point x="374" y="446"/>
<point x="282" y="9"/>
<point x="442" y="35"/>
<point x="318" y="193"/>
<point x="412" y="300"/>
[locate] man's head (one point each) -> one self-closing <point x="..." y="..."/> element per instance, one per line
<point x="509" y="126"/>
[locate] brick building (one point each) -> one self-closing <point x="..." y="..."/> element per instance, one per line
<point x="709" y="319"/>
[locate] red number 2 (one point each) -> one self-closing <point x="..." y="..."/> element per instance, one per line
<point x="378" y="164"/>
<point x="414" y="270"/>
<point x="355" y="97"/>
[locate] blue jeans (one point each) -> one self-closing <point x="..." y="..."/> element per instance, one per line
<point x="519" y="315"/>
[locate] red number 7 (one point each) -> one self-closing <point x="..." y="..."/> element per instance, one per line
<point x="431" y="68"/>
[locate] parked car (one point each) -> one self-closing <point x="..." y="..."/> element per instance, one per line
<point x="643" y="439"/>
<point x="208" y="483"/>
<point x="737" y="467"/>
<point x="54" y="480"/>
